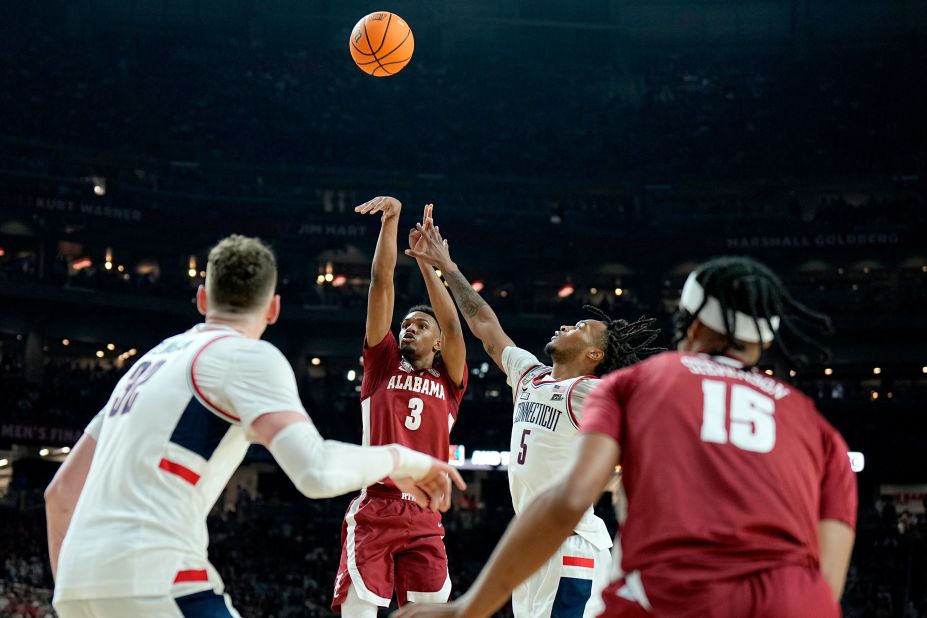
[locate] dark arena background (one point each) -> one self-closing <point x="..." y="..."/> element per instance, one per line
<point x="576" y="152"/>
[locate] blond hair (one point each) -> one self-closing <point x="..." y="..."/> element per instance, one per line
<point x="241" y="274"/>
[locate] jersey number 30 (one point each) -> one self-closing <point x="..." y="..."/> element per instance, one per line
<point x="752" y="426"/>
<point x="414" y="420"/>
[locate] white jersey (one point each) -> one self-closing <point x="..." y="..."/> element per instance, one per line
<point x="545" y="425"/>
<point x="174" y="430"/>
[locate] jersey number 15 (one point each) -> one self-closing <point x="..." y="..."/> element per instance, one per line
<point x="752" y="420"/>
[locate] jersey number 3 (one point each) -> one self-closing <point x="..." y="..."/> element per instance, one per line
<point x="414" y="420"/>
<point x="752" y="426"/>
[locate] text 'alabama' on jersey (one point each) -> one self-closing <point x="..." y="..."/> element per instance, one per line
<point x="404" y="406"/>
<point x="174" y="430"/>
<point x="545" y="425"/>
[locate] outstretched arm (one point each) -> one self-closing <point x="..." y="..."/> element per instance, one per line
<point x="62" y="494"/>
<point x="535" y="535"/>
<point x="453" y="347"/>
<point x="381" y="296"/>
<point x="480" y="317"/>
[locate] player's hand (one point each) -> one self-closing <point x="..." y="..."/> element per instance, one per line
<point x="385" y="204"/>
<point x="429" y="610"/>
<point x="430" y="246"/>
<point x="416" y="240"/>
<point x="434" y="489"/>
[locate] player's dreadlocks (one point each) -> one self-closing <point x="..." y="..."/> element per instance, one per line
<point x="625" y="343"/>
<point x="744" y="284"/>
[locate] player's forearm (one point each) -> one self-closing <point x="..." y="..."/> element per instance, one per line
<point x="528" y="543"/>
<point x="57" y="521"/>
<point x="384" y="256"/>
<point x="326" y="468"/>
<point x="479" y="315"/>
<point x="836" y="539"/>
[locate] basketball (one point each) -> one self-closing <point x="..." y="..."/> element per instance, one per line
<point x="382" y="44"/>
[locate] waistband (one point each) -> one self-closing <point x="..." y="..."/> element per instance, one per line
<point x="382" y="491"/>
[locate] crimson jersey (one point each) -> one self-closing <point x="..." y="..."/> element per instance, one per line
<point x="727" y="472"/>
<point x="404" y="406"/>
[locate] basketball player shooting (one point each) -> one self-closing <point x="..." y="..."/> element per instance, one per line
<point x="741" y="501"/>
<point x="548" y="406"/>
<point x="410" y="394"/>
<point x="127" y="510"/>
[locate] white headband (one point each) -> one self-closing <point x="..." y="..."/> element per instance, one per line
<point x="745" y="326"/>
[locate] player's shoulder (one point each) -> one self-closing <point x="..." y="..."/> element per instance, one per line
<point x="242" y="352"/>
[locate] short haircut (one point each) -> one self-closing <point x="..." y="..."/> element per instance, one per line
<point x="241" y="274"/>
<point x="424" y="309"/>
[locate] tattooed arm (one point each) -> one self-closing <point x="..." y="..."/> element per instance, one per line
<point x="479" y="315"/>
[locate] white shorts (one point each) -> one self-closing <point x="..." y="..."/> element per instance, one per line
<point x="569" y="585"/>
<point x="206" y="603"/>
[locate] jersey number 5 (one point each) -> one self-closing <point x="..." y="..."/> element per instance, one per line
<point x="414" y="420"/>
<point x="752" y="427"/>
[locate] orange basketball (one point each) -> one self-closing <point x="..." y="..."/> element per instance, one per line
<point x="382" y="44"/>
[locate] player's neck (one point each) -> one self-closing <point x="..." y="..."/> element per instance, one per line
<point x="565" y="371"/>
<point x="246" y="325"/>
<point x="425" y="362"/>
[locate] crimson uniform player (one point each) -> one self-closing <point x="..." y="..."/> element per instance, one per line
<point x="410" y="394"/>
<point x="741" y="501"/>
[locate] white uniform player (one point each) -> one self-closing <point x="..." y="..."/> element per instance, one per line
<point x="168" y="441"/>
<point x="545" y="424"/>
<point x="127" y="510"/>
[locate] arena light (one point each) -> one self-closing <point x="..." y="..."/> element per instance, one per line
<point x="593" y="290"/>
<point x="876" y="370"/>
<point x="316" y="361"/>
<point x="874" y="395"/>
<point x="565" y="291"/>
<point x="44" y="452"/>
<point x="352" y="375"/>
<point x="4" y="462"/>
<point x="99" y="185"/>
<point x="477" y="286"/>
<point x="339" y="281"/>
<point x="923" y="369"/>
<point x="121" y="268"/>
<point x="65" y="342"/>
<point x="65" y="450"/>
<point x="133" y="352"/>
<point x="110" y="346"/>
<point x="108" y="265"/>
<point x="619" y="291"/>
<point x="828" y="372"/>
<point x="320" y="279"/>
<point x="100" y="354"/>
<point x="191" y="267"/>
<point x="769" y="372"/>
<point x="792" y="373"/>
<point x="329" y="277"/>
<point x="2" y="251"/>
<point x="857" y="461"/>
<point x="505" y="294"/>
<point x="81" y="263"/>
<point x="438" y="272"/>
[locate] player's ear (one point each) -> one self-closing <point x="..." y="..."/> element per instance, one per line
<point x="595" y="354"/>
<point x="273" y="310"/>
<point x="201" y="300"/>
<point x="437" y="346"/>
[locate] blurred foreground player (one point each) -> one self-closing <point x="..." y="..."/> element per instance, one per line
<point x="741" y="501"/>
<point x="548" y="406"/>
<point x="127" y="510"/>
<point x="410" y="394"/>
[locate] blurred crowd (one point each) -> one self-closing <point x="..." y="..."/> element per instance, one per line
<point x="278" y="554"/>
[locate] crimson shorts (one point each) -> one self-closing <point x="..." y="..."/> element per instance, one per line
<point x="785" y="592"/>
<point x="388" y="542"/>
